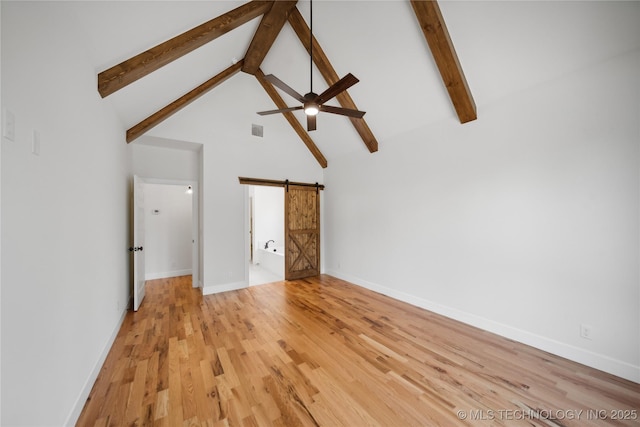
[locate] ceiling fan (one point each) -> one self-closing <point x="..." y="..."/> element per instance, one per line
<point x="312" y="103"/>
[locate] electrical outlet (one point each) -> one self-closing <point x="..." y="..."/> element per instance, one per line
<point x="586" y="332"/>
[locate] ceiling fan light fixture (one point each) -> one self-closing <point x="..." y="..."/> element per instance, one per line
<point x="312" y="103"/>
<point x="311" y="108"/>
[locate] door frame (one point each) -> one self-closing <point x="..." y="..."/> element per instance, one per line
<point x="138" y="228"/>
<point x="246" y="183"/>
<point x="195" y="222"/>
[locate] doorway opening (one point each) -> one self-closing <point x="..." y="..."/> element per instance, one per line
<point x="169" y="225"/>
<point x="169" y="230"/>
<point x="266" y="234"/>
<point x="300" y="234"/>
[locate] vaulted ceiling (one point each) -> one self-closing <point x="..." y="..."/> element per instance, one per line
<point x="274" y="15"/>
<point x="502" y="47"/>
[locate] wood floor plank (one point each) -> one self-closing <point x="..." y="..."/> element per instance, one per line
<point x="162" y="404"/>
<point x="324" y="352"/>
<point x="136" y="393"/>
<point x="176" y="417"/>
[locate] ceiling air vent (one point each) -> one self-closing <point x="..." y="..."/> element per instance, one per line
<point x="256" y="130"/>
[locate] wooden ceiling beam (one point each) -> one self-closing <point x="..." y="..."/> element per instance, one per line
<point x="295" y="124"/>
<point x="121" y="75"/>
<point x="166" y="112"/>
<point x="301" y="29"/>
<point x="264" y="37"/>
<point x="444" y="54"/>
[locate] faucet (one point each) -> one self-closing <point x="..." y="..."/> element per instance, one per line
<point x="266" y="245"/>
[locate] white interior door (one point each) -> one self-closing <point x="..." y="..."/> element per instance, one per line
<point x="138" y="242"/>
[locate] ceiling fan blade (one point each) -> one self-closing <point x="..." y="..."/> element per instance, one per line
<point x="342" y="111"/>
<point x="282" y="110"/>
<point x="341" y="85"/>
<point x="311" y="123"/>
<point x="283" y="86"/>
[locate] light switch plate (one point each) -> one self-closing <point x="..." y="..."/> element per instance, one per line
<point x="8" y="125"/>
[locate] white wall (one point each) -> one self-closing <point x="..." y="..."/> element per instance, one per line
<point x="228" y="153"/>
<point x="226" y="210"/>
<point x="165" y="163"/>
<point x="524" y="222"/>
<point x="65" y="264"/>
<point x="168" y="247"/>
<point x="1" y="127"/>
<point x="268" y="215"/>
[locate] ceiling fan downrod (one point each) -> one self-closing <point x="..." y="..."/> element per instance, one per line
<point x="311" y="45"/>
<point x="311" y="107"/>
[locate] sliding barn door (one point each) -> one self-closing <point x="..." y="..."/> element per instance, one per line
<point x="302" y="232"/>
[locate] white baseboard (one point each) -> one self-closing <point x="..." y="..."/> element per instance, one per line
<point x="214" y="289"/>
<point x="598" y="361"/>
<point x="166" y="274"/>
<point x="72" y="419"/>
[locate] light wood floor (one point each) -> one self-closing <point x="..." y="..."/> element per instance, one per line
<point x="323" y="352"/>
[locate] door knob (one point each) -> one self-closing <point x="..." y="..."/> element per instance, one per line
<point x="136" y="249"/>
